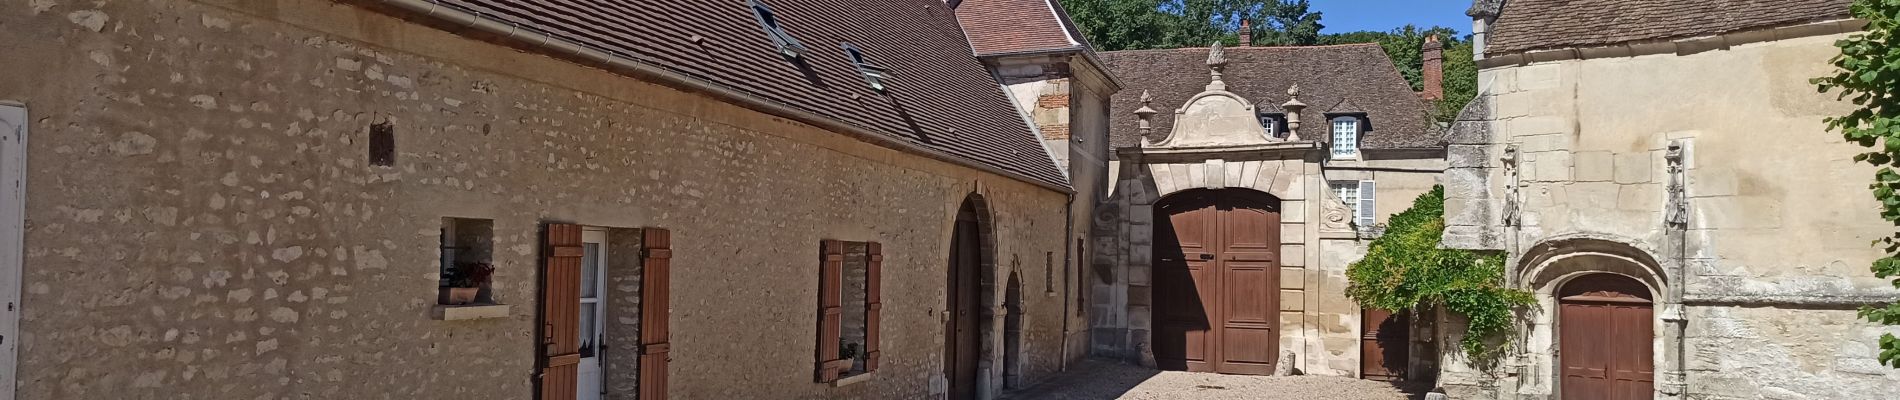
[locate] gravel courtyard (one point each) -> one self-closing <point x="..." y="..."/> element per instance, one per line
<point x="1099" y="380"/>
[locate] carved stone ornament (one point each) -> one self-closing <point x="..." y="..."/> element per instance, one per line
<point x="1215" y="117"/>
<point x="1335" y="216"/>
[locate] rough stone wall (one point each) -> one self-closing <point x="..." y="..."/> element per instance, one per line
<point x="1774" y="253"/>
<point x="203" y="224"/>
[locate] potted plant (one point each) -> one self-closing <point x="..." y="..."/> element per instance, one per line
<point x="849" y="351"/>
<point x="468" y="282"/>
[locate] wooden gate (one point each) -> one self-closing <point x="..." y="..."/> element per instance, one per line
<point x="1216" y="282"/>
<point x="1384" y="346"/>
<point x="1606" y="331"/>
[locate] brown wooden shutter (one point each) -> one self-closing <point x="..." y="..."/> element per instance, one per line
<point x="830" y="311"/>
<point x="874" y="303"/>
<point x="560" y="312"/>
<point x="655" y="311"/>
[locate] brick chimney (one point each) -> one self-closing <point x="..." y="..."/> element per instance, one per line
<point x="1433" y="70"/>
<point x="1246" y="34"/>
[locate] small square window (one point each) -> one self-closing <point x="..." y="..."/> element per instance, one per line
<point x="1346" y="137"/>
<point x="467" y="250"/>
<point x="788" y="46"/>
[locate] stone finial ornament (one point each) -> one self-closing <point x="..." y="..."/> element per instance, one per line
<point x="1146" y="114"/>
<point x="1293" y="107"/>
<point x="1216" y="63"/>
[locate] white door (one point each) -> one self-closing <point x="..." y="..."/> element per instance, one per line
<point x="12" y="233"/>
<point x="593" y="277"/>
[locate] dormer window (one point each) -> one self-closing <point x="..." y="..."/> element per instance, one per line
<point x="787" y="45"/>
<point x="1271" y="122"/>
<point x="1346" y="133"/>
<point x="873" y="74"/>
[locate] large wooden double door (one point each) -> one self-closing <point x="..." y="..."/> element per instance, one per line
<point x="1607" y="328"/>
<point x="1217" y="281"/>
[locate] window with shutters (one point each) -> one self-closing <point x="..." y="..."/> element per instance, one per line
<point x="849" y="307"/>
<point x="1359" y="197"/>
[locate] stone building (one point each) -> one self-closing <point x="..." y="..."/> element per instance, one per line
<point x="243" y="199"/>
<point x="1660" y="178"/>
<point x="1053" y="74"/>
<point x="1245" y="181"/>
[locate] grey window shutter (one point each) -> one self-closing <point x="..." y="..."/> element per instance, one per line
<point x="1368" y="213"/>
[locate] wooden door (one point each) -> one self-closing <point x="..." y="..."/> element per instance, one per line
<point x="1606" y="330"/>
<point x="560" y="312"/>
<point x="961" y="346"/>
<point x="1385" y="345"/>
<point x="1216" y="282"/>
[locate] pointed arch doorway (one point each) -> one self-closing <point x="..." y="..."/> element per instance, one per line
<point x="1217" y="281"/>
<point x="962" y="332"/>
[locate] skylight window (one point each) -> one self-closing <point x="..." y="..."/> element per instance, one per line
<point x="787" y="45"/>
<point x="873" y="74"/>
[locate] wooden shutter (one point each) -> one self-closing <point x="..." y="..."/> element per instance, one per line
<point x="874" y="302"/>
<point x="560" y="312"/>
<point x="1368" y="214"/>
<point x="830" y="311"/>
<point x="656" y="308"/>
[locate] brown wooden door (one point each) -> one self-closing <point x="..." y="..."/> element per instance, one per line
<point x="1216" y="282"/>
<point x="1606" y="330"/>
<point x="560" y="312"/>
<point x="960" y="346"/>
<point x="1384" y="346"/>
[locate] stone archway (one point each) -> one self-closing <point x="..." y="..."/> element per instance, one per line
<point x="1548" y="270"/>
<point x="1013" y="332"/>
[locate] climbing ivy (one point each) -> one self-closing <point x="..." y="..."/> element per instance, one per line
<point x="1405" y="269"/>
<point x="1868" y="74"/>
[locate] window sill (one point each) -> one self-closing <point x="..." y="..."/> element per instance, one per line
<point x="470" y="312"/>
<point x="852" y="380"/>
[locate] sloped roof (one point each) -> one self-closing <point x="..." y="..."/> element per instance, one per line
<point x="941" y="96"/>
<point x="1018" y="26"/>
<point x="1524" y="25"/>
<point x="1357" y="74"/>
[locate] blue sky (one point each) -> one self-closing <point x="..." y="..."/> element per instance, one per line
<point x="1343" y="16"/>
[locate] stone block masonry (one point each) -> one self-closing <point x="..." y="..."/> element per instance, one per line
<point x="205" y="222"/>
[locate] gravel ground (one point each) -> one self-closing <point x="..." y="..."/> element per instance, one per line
<point x="1099" y="380"/>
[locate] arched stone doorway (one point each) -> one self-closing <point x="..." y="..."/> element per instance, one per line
<point x="1216" y="281"/>
<point x="970" y="295"/>
<point x="1606" y="328"/>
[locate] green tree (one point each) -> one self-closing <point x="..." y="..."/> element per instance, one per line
<point x="1405" y="269"/>
<point x="1868" y="74"/>
<point x="1162" y="24"/>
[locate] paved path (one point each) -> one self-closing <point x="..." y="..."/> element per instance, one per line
<point x="1101" y="380"/>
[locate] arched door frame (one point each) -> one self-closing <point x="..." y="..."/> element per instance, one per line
<point x="1547" y="266"/>
<point x="989" y="313"/>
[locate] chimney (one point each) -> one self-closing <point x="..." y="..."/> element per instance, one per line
<point x="1433" y="70"/>
<point x="1246" y="34"/>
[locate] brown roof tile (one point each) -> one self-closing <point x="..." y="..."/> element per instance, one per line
<point x="941" y="96"/>
<point x="1525" y="25"/>
<point x="1356" y="78"/>
<point x="1017" y="26"/>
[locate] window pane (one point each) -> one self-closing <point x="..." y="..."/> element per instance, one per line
<point x="590" y="270"/>
<point x="1345" y="137"/>
<point x="588" y="338"/>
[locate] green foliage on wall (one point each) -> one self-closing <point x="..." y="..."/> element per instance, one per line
<point x="1405" y="269"/>
<point x="1868" y="74"/>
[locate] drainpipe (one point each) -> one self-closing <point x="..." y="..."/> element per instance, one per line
<point x="1068" y="255"/>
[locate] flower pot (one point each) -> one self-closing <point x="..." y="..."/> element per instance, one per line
<point x="456" y="296"/>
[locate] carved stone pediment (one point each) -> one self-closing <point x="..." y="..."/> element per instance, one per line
<point x="1215" y="118"/>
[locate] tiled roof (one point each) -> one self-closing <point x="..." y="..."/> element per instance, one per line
<point x="1017" y="26"/>
<point x="1358" y="76"/>
<point x="1524" y="25"/>
<point x="941" y="97"/>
